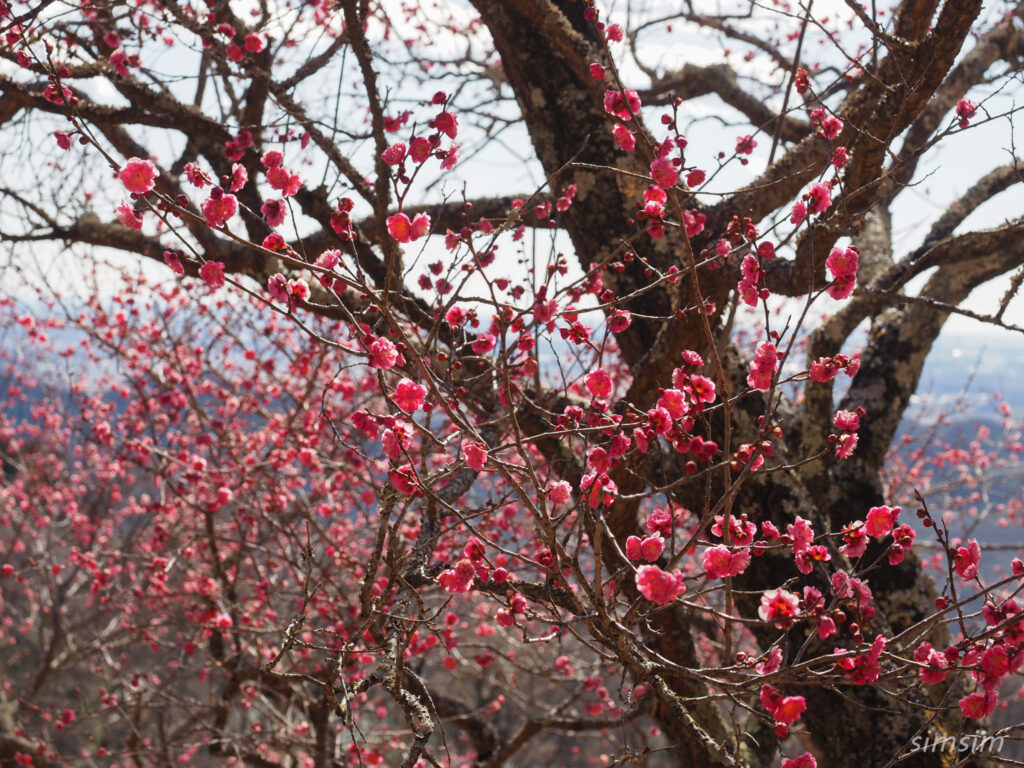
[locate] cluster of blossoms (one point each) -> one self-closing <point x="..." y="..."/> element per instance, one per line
<point x="824" y="369"/>
<point x="816" y="200"/>
<point x="235" y="149"/>
<point x="743" y="232"/>
<point x="238" y="45"/>
<point x="472" y="565"/>
<point x="827" y="125"/>
<point x="864" y="668"/>
<point x="420" y="148"/>
<point x="219" y="207"/>
<point x="763" y="366"/>
<point x="847" y="422"/>
<point x="278" y="177"/>
<point x="722" y="562"/>
<point x="785" y="709"/>
<point x="624" y="105"/>
<point x="289" y="291"/>
<point x="648" y="548"/>
<point x="198" y="178"/>
<point x="405" y="230"/>
<point x="748" y="289"/>
<point x="341" y="220"/>
<point x="783" y="608"/>
<point x="672" y="418"/>
<point x="805" y="552"/>
<point x="659" y="586"/>
<point x="991" y="660"/>
<point x="139" y="178"/>
<point x="666" y="177"/>
<point x="965" y="110"/>
<point x="842" y="264"/>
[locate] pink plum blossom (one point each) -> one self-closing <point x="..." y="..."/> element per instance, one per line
<point x="763" y="366"/>
<point x="560" y="492"/>
<point x="212" y="273"/>
<point x="659" y="586"/>
<point x="779" y="606"/>
<point x="880" y="521"/>
<point x="138" y="176"/>
<point x="648" y="548"/>
<point x="383" y="354"/>
<point x="966" y="560"/>
<point x="664" y="173"/>
<point x="979" y="704"/>
<point x="218" y="208"/>
<point x="720" y="562"/>
<point x="409" y="396"/>
<point x="475" y="456"/>
<point x="129" y="216"/>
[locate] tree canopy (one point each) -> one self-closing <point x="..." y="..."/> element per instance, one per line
<point x="497" y="382"/>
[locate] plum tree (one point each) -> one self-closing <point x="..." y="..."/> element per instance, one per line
<point x="456" y="383"/>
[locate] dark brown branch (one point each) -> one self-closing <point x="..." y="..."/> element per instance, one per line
<point x="693" y="81"/>
<point x="900" y="341"/>
<point x="987" y="187"/>
<point x="1004" y="42"/>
